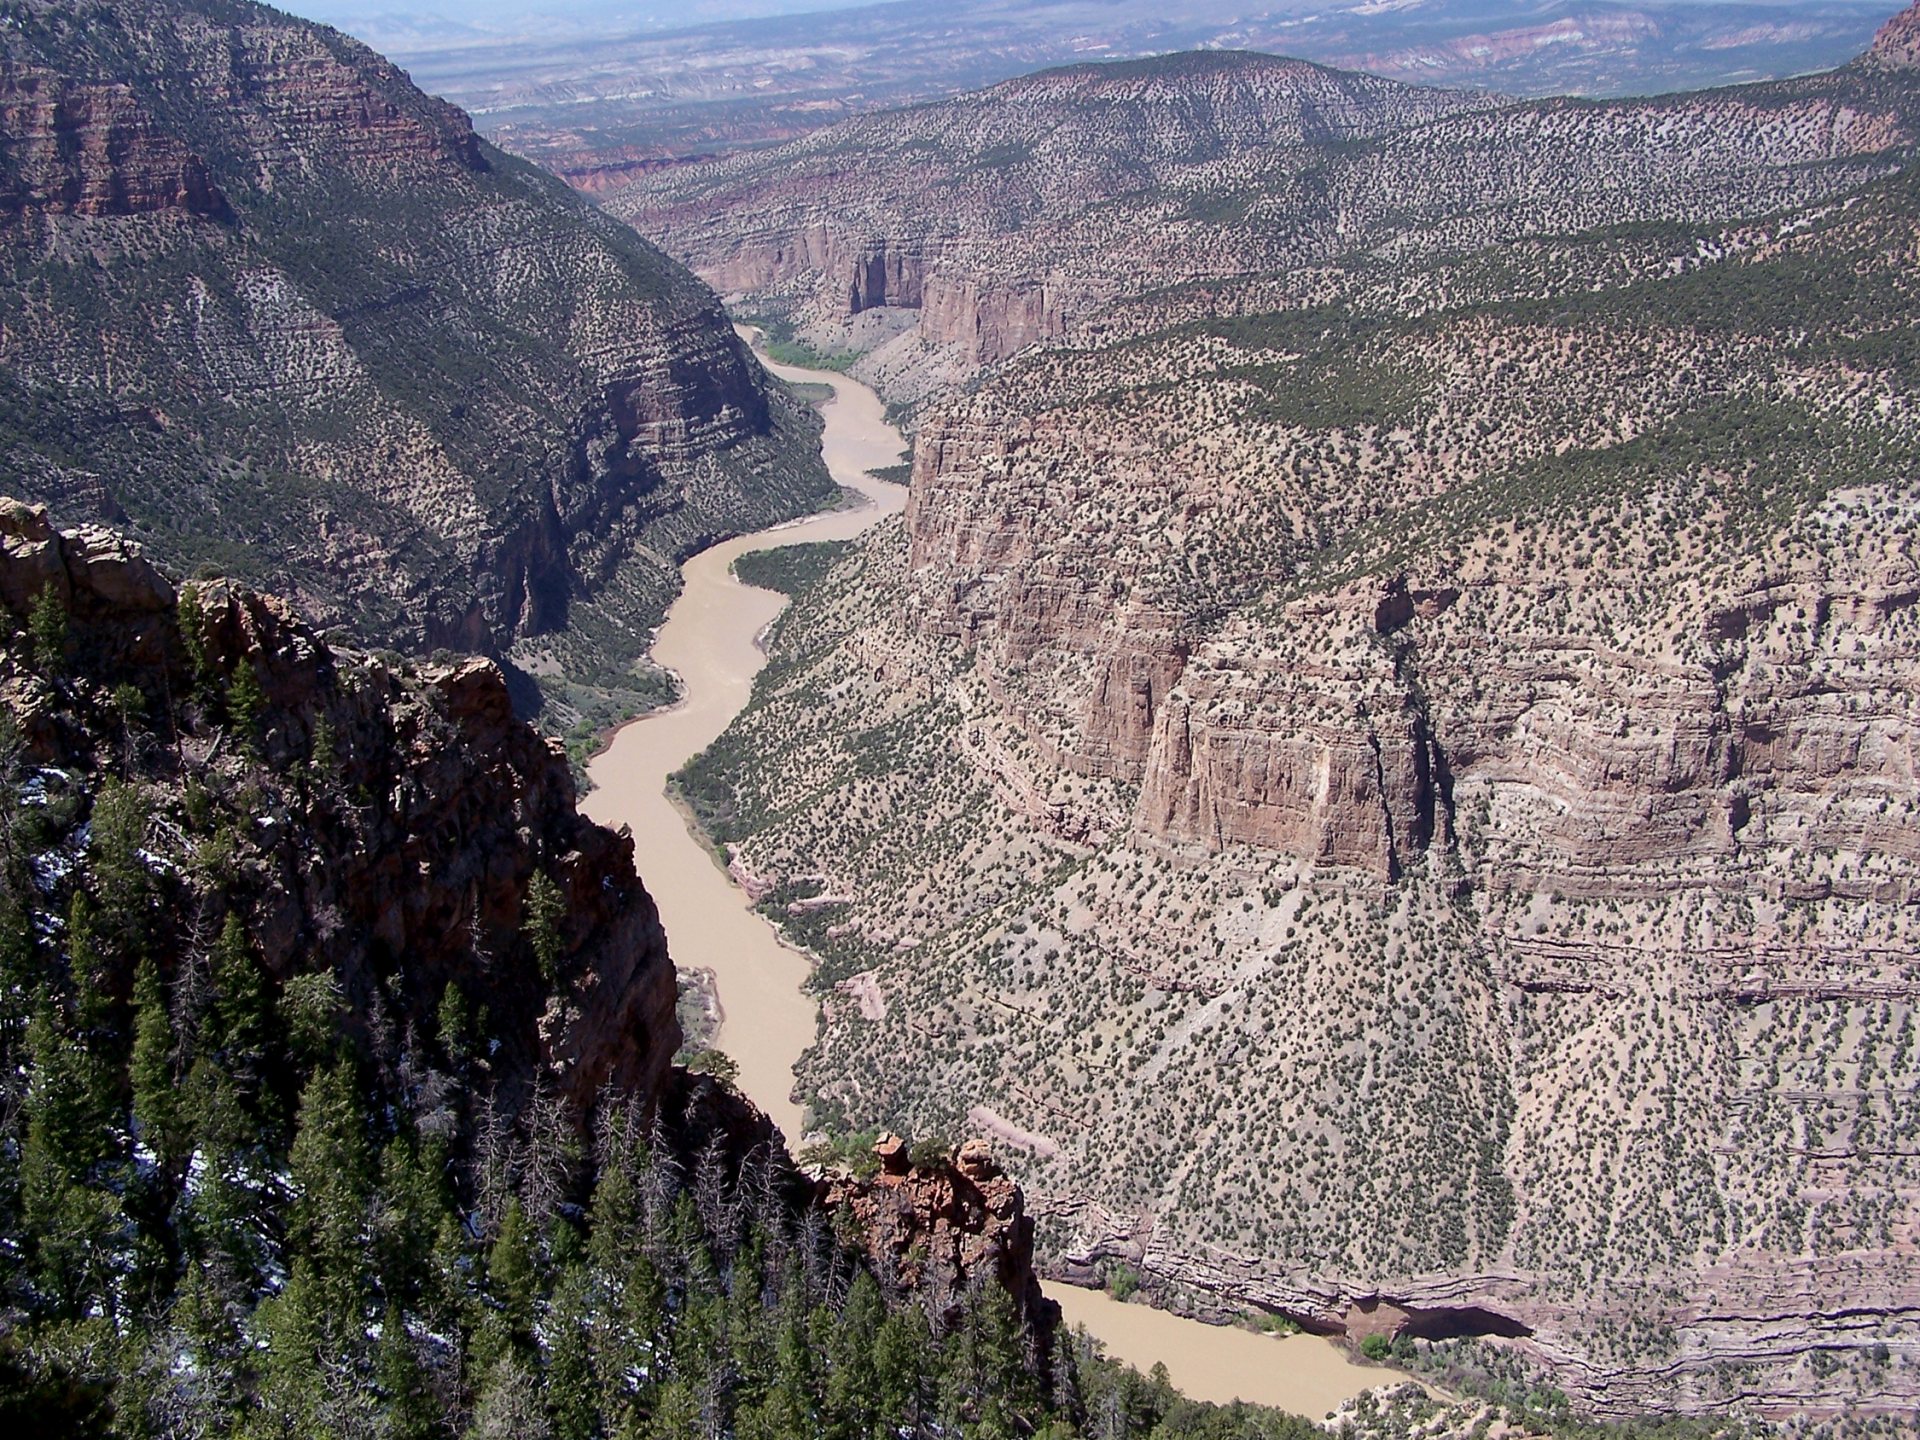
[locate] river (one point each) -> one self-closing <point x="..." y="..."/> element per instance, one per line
<point x="711" y="639"/>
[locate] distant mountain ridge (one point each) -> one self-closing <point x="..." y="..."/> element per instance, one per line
<point x="943" y="238"/>
<point x="289" y="316"/>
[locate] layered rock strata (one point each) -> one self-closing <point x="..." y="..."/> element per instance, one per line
<point x="287" y="317"/>
<point x="1400" y="809"/>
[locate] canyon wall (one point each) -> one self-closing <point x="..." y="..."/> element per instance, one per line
<point x="1019" y="215"/>
<point x="290" y="318"/>
<point x="1401" y="811"/>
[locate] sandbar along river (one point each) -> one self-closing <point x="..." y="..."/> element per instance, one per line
<point x="711" y="640"/>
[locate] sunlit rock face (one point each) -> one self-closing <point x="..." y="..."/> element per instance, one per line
<point x="1390" y="786"/>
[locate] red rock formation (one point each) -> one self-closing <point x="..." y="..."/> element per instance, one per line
<point x="937" y="1229"/>
<point x="72" y="148"/>
<point x="408" y="865"/>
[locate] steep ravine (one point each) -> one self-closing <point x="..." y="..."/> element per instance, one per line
<point x="712" y="641"/>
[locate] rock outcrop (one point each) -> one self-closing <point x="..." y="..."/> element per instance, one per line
<point x="939" y="1230"/>
<point x="398" y="817"/>
<point x="78" y="149"/>
<point x="980" y="213"/>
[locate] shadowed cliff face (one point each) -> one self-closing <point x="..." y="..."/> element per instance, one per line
<point x="393" y="820"/>
<point x="276" y="310"/>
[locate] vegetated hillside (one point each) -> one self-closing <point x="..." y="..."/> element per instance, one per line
<point x="280" y="313"/>
<point x="335" y="1094"/>
<point x="944" y="239"/>
<point x="1393" y="788"/>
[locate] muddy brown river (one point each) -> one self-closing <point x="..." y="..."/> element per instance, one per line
<point x="711" y="640"/>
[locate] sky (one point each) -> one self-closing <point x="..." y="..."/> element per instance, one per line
<point x="514" y="14"/>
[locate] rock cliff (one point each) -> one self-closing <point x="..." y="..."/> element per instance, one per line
<point x="1390" y="788"/>
<point x="386" y="827"/>
<point x="283" y="315"/>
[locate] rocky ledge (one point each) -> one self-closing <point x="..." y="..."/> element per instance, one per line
<point x="940" y="1229"/>
<point x="395" y="827"/>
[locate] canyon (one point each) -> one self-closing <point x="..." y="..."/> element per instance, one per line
<point x="934" y="242"/>
<point x="713" y="641"/>
<point x="1366" y="783"/>
<point x="1382" y="770"/>
<point x="286" y="317"/>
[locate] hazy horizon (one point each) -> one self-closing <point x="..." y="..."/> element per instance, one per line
<point x="451" y="21"/>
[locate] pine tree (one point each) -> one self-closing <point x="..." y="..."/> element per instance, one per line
<point x="156" y="1098"/>
<point x="509" y="1405"/>
<point x="407" y="1401"/>
<point x="792" y="1401"/>
<point x="454" y="1022"/>
<point x="193" y="638"/>
<point x="120" y="875"/>
<point x="853" y="1384"/>
<point x="407" y="1216"/>
<point x="47" y="633"/>
<point x="330" y="1171"/>
<point x="299" y="1331"/>
<point x="629" y="1301"/>
<point x="677" y="1414"/>
<point x="69" y="1225"/>
<point x="93" y="1067"/>
<point x="541" y="917"/>
<point x="902" y="1359"/>
<point x="573" y="1398"/>
<point x="238" y="1026"/>
<point x="246" y="705"/>
<point x="310" y="1009"/>
<point x="513" y="1278"/>
<point x="323" y="752"/>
